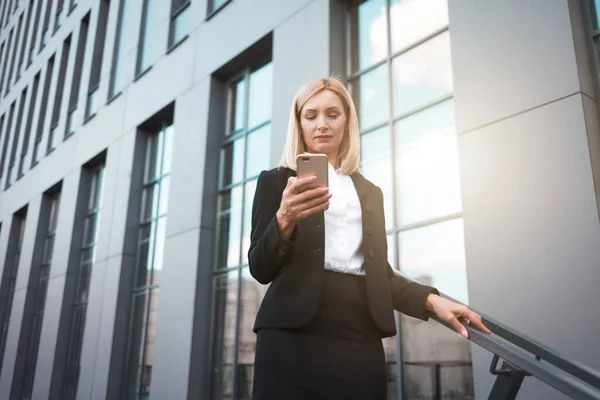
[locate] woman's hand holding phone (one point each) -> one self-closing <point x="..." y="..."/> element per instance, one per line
<point x="301" y="198"/>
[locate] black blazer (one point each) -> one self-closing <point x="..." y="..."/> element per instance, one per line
<point x="295" y="268"/>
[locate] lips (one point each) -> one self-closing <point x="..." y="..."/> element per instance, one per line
<point x="323" y="137"/>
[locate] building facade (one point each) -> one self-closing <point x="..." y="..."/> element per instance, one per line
<point x="132" y="133"/>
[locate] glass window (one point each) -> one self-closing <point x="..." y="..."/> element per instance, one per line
<point x="149" y="22"/>
<point x="246" y="137"/>
<point x="122" y="46"/>
<point x="180" y="21"/>
<point x="149" y="261"/>
<point x="38" y="295"/>
<point x="215" y="5"/>
<point x="13" y="258"/>
<point x="87" y="251"/>
<point x="412" y="156"/>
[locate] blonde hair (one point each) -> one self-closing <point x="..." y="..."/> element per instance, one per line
<point x="349" y="154"/>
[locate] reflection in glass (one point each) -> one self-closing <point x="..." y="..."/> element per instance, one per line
<point x="376" y="165"/>
<point x="163" y="202"/>
<point x="413" y="20"/>
<point x="372" y="98"/>
<point x="597" y="14"/>
<point x="427" y="166"/>
<point x="145" y="255"/>
<point x="436" y="254"/>
<point x="224" y="322"/>
<point x="159" y="250"/>
<point x="149" y="202"/>
<point x="230" y="226"/>
<point x="217" y="3"/>
<point x="261" y="95"/>
<point x="149" y="23"/>
<point x="169" y="135"/>
<point x="136" y="349"/>
<point x="232" y="162"/>
<point x="369" y="34"/>
<point x="422" y="74"/>
<point x="391" y="359"/>
<point x="250" y="189"/>
<point x="181" y="25"/>
<point x="258" y="142"/>
<point x="252" y="294"/>
<point x="238" y="94"/>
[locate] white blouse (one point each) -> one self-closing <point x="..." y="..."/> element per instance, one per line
<point x="343" y="226"/>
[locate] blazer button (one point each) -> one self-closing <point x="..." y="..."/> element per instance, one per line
<point x="369" y="209"/>
<point x="369" y="230"/>
<point x="371" y="254"/>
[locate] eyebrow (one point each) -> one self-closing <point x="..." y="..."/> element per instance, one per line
<point x="329" y="109"/>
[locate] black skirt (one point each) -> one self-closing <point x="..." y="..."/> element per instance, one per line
<point x="337" y="355"/>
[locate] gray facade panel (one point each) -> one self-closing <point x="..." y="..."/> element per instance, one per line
<point x="509" y="57"/>
<point x="297" y="59"/>
<point x="531" y="230"/>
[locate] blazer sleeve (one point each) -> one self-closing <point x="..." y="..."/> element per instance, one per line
<point x="268" y="251"/>
<point x="407" y="297"/>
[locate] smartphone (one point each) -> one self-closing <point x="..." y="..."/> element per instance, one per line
<point x="313" y="164"/>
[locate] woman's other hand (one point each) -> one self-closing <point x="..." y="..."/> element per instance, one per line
<point x="450" y="312"/>
<point x="301" y="198"/>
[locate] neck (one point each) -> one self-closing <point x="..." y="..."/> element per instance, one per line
<point x="333" y="160"/>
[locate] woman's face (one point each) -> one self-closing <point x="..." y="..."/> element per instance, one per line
<point x="323" y="123"/>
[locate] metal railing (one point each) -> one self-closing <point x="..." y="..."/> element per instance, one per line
<point x="523" y="356"/>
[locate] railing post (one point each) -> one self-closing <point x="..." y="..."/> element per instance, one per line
<point x="508" y="381"/>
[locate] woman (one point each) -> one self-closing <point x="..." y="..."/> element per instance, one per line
<point x="324" y="252"/>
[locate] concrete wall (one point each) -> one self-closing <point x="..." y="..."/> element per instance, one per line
<point x="523" y="98"/>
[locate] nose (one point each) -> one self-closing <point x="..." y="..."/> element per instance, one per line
<point x="321" y="126"/>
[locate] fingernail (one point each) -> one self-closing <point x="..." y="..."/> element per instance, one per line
<point x="464" y="334"/>
<point x="312" y="178"/>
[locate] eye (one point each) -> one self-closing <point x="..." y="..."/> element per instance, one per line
<point x="311" y="117"/>
<point x="334" y="115"/>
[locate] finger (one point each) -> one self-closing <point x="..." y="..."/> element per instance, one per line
<point x="311" y="203"/>
<point x="313" y="210"/>
<point x="301" y="180"/>
<point x="290" y="181"/>
<point x="458" y="327"/>
<point x="477" y="322"/>
<point x="310" y="194"/>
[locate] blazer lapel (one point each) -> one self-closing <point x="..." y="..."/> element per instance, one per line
<point x="360" y="185"/>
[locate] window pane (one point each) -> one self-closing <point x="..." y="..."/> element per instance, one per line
<point x="597" y="14"/>
<point x="139" y="317"/>
<point x="225" y="305"/>
<point x="376" y="166"/>
<point x="48" y="249"/>
<point x="168" y="149"/>
<point x="230" y="225"/>
<point x="145" y="256"/>
<point x="150" y="202"/>
<point x="217" y="3"/>
<point x="259" y="145"/>
<point x="232" y="162"/>
<point x="89" y="233"/>
<point x="122" y="41"/>
<point x="249" y="199"/>
<point x="252" y="294"/>
<point x="83" y="284"/>
<point x="72" y="372"/>
<point x="261" y="93"/>
<point x="181" y="25"/>
<point x="154" y="153"/>
<point x="372" y="97"/>
<point x="239" y="100"/>
<point x="147" y="39"/>
<point x="391" y="251"/>
<point x="159" y="250"/>
<point x="163" y="203"/>
<point x="423" y="74"/>
<point x="391" y="358"/>
<point x="149" y="345"/>
<point x="435" y="255"/>
<point x="427" y="166"/>
<point x="369" y="36"/>
<point x="412" y="20"/>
